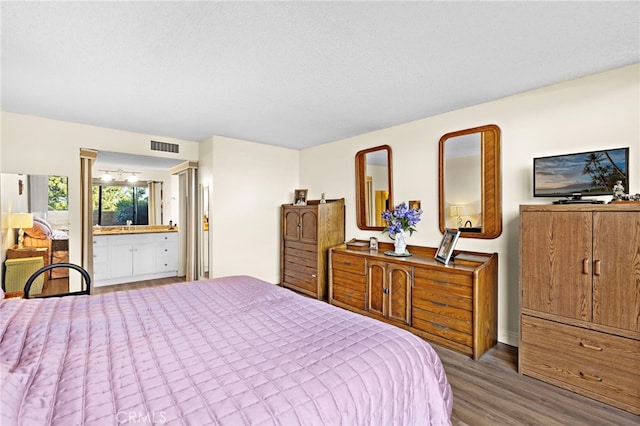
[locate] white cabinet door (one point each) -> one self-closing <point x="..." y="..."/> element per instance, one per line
<point x="100" y="258"/>
<point x="143" y="259"/>
<point x="120" y="260"/>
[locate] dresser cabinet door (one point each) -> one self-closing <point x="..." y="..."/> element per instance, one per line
<point x="291" y="224"/>
<point x="308" y="225"/>
<point x="389" y="287"/>
<point x="399" y="293"/>
<point x="556" y="263"/>
<point x="616" y="270"/>
<point x="376" y="287"/>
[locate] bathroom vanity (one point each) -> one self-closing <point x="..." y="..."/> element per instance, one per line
<point x="134" y="253"/>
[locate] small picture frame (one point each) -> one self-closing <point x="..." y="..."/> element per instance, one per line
<point x="300" y="197"/>
<point x="373" y="243"/>
<point x="414" y="204"/>
<point x="448" y="243"/>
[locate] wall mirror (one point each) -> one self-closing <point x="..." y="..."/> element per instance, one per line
<point x="470" y="186"/>
<point x="41" y="203"/>
<point x="374" y="193"/>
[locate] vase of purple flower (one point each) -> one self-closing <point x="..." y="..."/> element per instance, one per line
<point x="400" y="221"/>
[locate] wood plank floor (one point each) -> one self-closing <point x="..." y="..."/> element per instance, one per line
<point x="491" y="392"/>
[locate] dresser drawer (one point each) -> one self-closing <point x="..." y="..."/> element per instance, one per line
<point x="601" y="365"/>
<point x="349" y="296"/>
<point x="444" y="326"/>
<point x="442" y="278"/>
<point x="348" y="263"/>
<point x="430" y="297"/>
<point x="441" y="287"/>
<point x="349" y="280"/>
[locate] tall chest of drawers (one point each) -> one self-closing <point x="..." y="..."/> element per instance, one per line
<point x="451" y="305"/>
<point x="308" y="231"/>
<point x="580" y="299"/>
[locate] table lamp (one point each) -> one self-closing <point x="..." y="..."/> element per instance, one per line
<point x="21" y="221"/>
<point x="457" y="211"/>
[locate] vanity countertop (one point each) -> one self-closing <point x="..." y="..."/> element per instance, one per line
<point x="133" y="229"/>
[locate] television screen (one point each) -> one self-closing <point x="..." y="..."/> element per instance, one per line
<point x="584" y="173"/>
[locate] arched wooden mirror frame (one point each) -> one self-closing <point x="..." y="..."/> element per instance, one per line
<point x="361" y="198"/>
<point x="491" y="185"/>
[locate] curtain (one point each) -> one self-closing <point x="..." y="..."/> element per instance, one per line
<point x="87" y="158"/>
<point x="153" y="203"/>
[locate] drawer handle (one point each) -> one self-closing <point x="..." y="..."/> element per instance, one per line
<point x="592" y="347"/>
<point x="585" y="266"/>
<point x="590" y="377"/>
<point x="314" y="276"/>
<point x="441" y="282"/>
<point x="346" y="263"/>
<point x="439" y="303"/>
<point x="596" y="267"/>
<point x="443" y="327"/>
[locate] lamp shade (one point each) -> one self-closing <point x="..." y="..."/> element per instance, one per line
<point x="456" y="211"/>
<point x="21" y="220"/>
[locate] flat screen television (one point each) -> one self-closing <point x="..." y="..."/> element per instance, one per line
<point x="582" y="174"/>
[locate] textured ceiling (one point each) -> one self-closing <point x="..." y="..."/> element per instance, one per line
<point x="295" y="74"/>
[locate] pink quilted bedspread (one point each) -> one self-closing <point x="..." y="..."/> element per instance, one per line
<point x="227" y="351"/>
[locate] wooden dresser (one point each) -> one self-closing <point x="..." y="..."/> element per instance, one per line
<point x="580" y="299"/>
<point x="307" y="234"/>
<point x="454" y="306"/>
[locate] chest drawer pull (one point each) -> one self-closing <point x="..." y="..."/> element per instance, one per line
<point x="588" y="346"/>
<point x="590" y="377"/>
<point x="438" y="303"/>
<point x="444" y="327"/>
<point x="346" y="263"/>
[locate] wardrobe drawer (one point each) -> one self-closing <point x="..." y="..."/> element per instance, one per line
<point x="615" y="351"/>
<point x="599" y="365"/>
<point x="348" y="263"/>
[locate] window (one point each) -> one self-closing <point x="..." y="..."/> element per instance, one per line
<point x="58" y="199"/>
<point x="114" y="203"/>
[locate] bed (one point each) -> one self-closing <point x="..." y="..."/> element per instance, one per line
<point x="226" y="351"/>
<point x="42" y="234"/>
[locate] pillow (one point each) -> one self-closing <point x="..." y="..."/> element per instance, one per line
<point x="41" y="230"/>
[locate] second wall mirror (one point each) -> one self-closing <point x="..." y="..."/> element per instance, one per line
<point x="374" y="193"/>
<point x="470" y="185"/>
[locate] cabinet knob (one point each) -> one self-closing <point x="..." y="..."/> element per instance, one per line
<point x="385" y="291"/>
<point x="314" y="276"/>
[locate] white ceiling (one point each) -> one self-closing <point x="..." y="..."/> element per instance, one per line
<point x="295" y="74"/>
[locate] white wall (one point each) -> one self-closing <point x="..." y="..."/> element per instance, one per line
<point x="595" y="112"/>
<point x="249" y="182"/>
<point x="34" y="145"/>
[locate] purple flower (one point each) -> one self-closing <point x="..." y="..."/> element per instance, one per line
<point x="402" y="218"/>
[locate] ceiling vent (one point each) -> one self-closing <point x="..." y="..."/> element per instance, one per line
<point x="165" y="147"/>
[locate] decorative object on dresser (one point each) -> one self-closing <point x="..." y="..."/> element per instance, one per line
<point x="580" y="299"/>
<point x="453" y="305"/>
<point x="300" y="197"/>
<point x="401" y="220"/>
<point x="448" y="243"/>
<point x="308" y="231"/>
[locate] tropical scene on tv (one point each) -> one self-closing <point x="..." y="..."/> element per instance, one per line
<point x="593" y="173"/>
